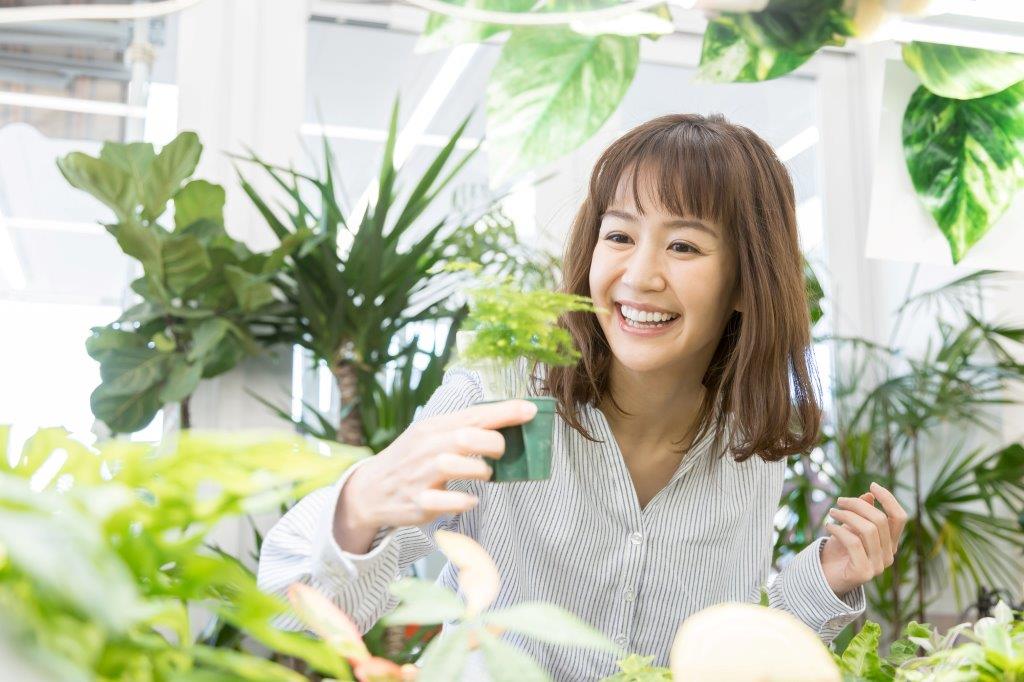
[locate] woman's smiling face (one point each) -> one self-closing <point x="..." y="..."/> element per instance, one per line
<point x="661" y="263"/>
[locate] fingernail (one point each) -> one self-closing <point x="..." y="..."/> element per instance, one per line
<point x="530" y="409"/>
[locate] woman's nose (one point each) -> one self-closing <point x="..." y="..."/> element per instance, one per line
<point x="643" y="272"/>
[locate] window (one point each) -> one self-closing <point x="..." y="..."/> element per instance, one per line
<point x="66" y="86"/>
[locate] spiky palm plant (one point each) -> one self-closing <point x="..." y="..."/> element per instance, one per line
<point x="892" y="409"/>
<point x="361" y="291"/>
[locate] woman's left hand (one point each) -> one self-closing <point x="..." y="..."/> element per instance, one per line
<point x="866" y="543"/>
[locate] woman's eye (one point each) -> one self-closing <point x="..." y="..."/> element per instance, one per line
<point x="686" y="248"/>
<point x="613" y="237"/>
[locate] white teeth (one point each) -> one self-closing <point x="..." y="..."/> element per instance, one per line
<point x="643" y="316"/>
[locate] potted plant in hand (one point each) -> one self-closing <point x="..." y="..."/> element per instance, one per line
<point x="506" y="334"/>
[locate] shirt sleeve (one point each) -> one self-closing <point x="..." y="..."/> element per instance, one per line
<point x="801" y="589"/>
<point x="301" y="546"/>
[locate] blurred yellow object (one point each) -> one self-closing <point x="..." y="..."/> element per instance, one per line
<point x="747" y="643"/>
<point x="871" y="16"/>
<point x="915" y="7"/>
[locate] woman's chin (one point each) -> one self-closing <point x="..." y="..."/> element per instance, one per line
<point x="646" y="365"/>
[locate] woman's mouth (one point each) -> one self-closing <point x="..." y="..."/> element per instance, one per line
<point x="652" y="327"/>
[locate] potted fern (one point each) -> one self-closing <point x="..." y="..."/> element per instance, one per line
<point x="507" y="333"/>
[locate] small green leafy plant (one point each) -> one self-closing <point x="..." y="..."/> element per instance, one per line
<point x="507" y="324"/>
<point x="637" y="668"/>
<point x="207" y="300"/>
<point x="993" y="652"/>
<point x="104" y="550"/>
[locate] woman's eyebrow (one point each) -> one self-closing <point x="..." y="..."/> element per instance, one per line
<point x="677" y="222"/>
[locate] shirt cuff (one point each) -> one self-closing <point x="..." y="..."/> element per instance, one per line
<point x="808" y="594"/>
<point x="332" y="562"/>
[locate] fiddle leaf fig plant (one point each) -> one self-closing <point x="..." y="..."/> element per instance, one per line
<point x="207" y="300"/>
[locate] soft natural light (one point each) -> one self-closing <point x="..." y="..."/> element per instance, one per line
<point x="46" y="372"/>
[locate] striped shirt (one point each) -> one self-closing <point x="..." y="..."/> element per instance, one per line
<point x="580" y="540"/>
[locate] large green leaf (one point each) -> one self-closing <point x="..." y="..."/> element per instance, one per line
<point x="182" y="380"/>
<point x="110" y="184"/>
<point x="185" y="262"/>
<point x="133" y="376"/>
<point x="106" y="341"/>
<point x="442" y="31"/>
<point x="133" y="370"/>
<point x="197" y="200"/>
<point x="423" y="603"/>
<point x="95" y="583"/>
<point x="445" y="656"/>
<point x="142" y="243"/>
<point x="175" y="162"/>
<point x="233" y="666"/>
<point x="207" y="336"/>
<point x="551" y="624"/>
<point x="860" y="659"/>
<point x="966" y="159"/>
<point x="550" y="92"/>
<point x="133" y="158"/>
<point x="759" y="46"/>
<point x="963" y="72"/>
<point x="652" y="23"/>
<point x="506" y="663"/>
<point x="125" y="412"/>
<point x="225" y="355"/>
<point x="252" y="291"/>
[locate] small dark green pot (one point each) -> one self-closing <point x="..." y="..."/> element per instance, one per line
<point x="527" y="446"/>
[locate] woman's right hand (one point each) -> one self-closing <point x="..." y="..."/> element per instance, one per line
<point x="406" y="483"/>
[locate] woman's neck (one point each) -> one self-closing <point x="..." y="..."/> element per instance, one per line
<point x="660" y="410"/>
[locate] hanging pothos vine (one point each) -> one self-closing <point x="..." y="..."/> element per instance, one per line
<point x="567" y="64"/>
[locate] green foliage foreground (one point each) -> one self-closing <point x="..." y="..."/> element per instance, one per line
<point x="102" y="553"/>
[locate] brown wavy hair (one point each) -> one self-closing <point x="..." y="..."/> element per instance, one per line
<point x="761" y="389"/>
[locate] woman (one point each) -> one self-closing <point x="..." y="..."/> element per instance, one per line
<point x="669" y="451"/>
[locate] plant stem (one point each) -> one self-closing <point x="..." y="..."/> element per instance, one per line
<point x="906" y="297"/>
<point x="919" y="539"/>
<point x="890" y="471"/>
<point x="350" y="429"/>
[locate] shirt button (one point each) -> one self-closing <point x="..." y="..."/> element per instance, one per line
<point x="620" y="640"/>
<point x="636" y="538"/>
<point x="629" y="594"/>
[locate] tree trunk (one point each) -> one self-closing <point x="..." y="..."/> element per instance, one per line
<point x="350" y="430"/>
<point x="186" y="416"/>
